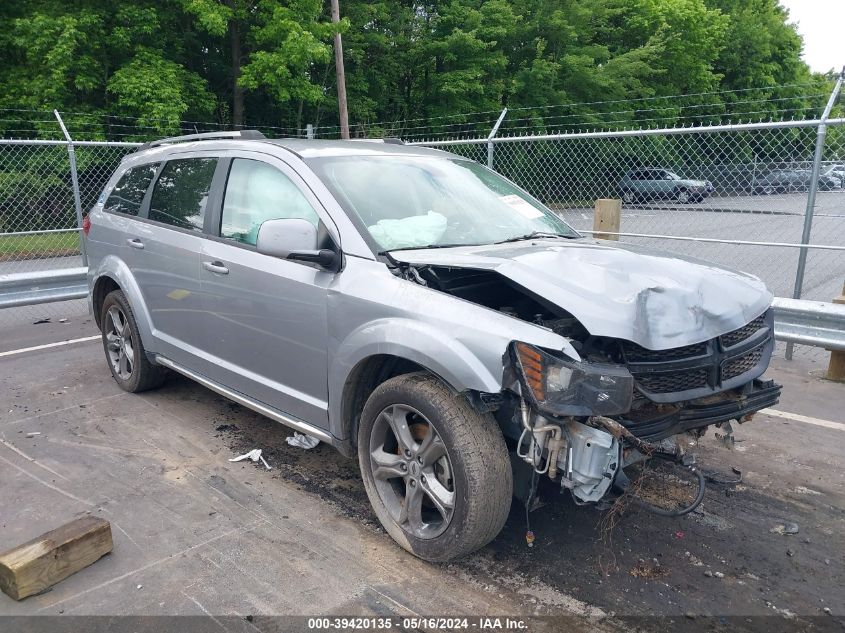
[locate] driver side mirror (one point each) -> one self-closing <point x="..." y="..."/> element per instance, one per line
<point x="294" y="239"/>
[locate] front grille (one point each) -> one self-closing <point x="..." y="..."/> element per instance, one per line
<point x="693" y="371"/>
<point x="636" y="354"/>
<point x="673" y="382"/>
<point x="737" y="336"/>
<point x="739" y="366"/>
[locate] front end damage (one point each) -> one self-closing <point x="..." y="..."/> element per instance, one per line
<point x="584" y="422"/>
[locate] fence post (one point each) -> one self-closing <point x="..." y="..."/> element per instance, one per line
<point x="490" y="137"/>
<point x="836" y="367"/>
<point x="309" y="132"/>
<point x="607" y="217"/>
<point x="74" y="179"/>
<point x="811" y="196"/>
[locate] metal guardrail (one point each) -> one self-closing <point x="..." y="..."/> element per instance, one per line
<point x="43" y="286"/>
<point x="816" y="323"/>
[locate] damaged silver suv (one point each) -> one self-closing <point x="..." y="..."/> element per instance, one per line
<point x="414" y="309"/>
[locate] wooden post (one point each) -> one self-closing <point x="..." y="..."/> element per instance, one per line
<point x="607" y="217"/>
<point x="42" y="562"/>
<point x="836" y="368"/>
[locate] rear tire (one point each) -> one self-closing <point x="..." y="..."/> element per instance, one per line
<point x="125" y="353"/>
<point x="682" y="196"/>
<point x="440" y="496"/>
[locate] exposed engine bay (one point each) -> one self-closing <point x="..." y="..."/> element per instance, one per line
<point x="631" y="404"/>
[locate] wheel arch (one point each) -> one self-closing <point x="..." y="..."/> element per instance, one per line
<point x="378" y="352"/>
<point x="113" y="274"/>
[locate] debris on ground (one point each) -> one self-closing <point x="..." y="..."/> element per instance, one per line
<point x="648" y="570"/>
<point x="722" y="479"/>
<point x="62" y="320"/>
<point x="254" y="455"/>
<point x="301" y="440"/>
<point x="790" y="552"/>
<point x="33" y="433"/>
<point x="39" y="564"/>
<point x="787" y="527"/>
<point x="40" y="321"/>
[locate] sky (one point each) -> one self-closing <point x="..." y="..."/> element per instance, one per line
<point x="821" y="24"/>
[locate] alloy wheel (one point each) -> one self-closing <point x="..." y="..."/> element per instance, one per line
<point x="412" y="471"/>
<point x="119" y="343"/>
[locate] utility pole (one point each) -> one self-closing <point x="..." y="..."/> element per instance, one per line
<point x="341" y="76"/>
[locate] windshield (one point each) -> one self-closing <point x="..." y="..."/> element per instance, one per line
<point x="422" y="202"/>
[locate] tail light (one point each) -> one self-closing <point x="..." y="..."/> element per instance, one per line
<point x="86" y="225"/>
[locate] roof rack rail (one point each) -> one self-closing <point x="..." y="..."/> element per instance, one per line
<point x="206" y="136"/>
<point x="393" y="140"/>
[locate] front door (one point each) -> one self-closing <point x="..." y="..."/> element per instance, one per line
<point x="265" y="317"/>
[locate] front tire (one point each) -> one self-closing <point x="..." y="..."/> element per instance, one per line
<point x="682" y="196"/>
<point x="436" y="471"/>
<point x="125" y="352"/>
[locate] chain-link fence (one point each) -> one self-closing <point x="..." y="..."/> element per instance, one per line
<point x="39" y="218"/>
<point x="737" y="195"/>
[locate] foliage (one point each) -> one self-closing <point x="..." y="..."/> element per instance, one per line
<point x="152" y="65"/>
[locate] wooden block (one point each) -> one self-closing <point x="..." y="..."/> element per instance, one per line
<point x="607" y="217"/>
<point x="42" y="562"/>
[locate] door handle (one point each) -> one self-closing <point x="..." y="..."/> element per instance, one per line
<point x="216" y="267"/>
<point x="135" y="243"/>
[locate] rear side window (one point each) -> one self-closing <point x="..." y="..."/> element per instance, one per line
<point x="256" y="192"/>
<point x="128" y="193"/>
<point x="180" y="196"/>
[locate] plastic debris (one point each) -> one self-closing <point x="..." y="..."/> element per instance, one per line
<point x="40" y="321"/>
<point x="529" y="538"/>
<point x="254" y="455"/>
<point x="300" y="440"/>
<point x="787" y="527"/>
<point x="33" y="433"/>
<point x="62" y="320"/>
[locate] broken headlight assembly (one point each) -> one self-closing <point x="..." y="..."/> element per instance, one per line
<point x="559" y="386"/>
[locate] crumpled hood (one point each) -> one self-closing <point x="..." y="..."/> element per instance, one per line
<point x="654" y="299"/>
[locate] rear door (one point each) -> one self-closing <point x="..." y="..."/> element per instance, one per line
<point x="168" y="248"/>
<point x="117" y="227"/>
<point x="265" y="318"/>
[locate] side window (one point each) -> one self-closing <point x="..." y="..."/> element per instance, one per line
<point x="256" y="192"/>
<point x="128" y="193"/>
<point x="180" y="195"/>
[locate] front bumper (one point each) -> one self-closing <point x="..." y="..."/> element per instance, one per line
<point x="655" y="422"/>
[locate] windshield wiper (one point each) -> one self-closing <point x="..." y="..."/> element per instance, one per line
<point x="536" y="234"/>
<point x="424" y="247"/>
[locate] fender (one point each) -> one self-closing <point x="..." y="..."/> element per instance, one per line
<point x="115" y="268"/>
<point x="419" y="342"/>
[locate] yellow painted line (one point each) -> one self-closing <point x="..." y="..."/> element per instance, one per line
<point x="804" y="418"/>
<point x="24" y="350"/>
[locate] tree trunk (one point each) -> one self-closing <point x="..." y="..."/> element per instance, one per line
<point x="237" y="90"/>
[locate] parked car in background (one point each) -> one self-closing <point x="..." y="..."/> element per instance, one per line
<point x="661" y="184"/>
<point x="836" y="171"/>
<point x="421" y="313"/>
<point x="790" y="180"/>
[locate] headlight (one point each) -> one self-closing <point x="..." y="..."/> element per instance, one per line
<point x="563" y="387"/>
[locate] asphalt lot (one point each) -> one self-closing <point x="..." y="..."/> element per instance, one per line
<point x="196" y="534"/>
